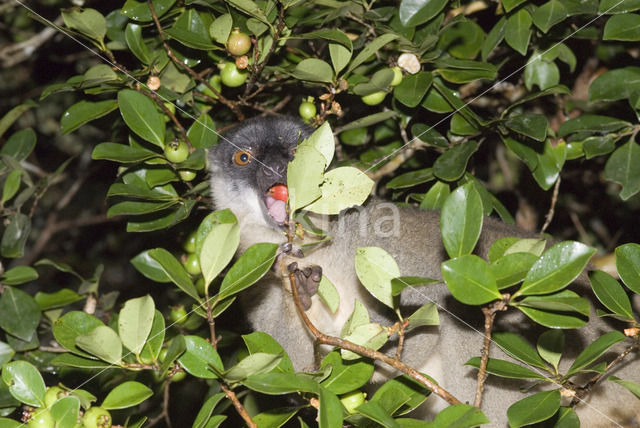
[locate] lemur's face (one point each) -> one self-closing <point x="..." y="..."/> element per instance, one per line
<point x="251" y="160"/>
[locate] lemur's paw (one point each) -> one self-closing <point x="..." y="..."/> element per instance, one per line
<point x="307" y="282"/>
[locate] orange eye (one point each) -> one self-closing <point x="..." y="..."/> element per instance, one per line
<point x="241" y="158"/>
<point x="293" y="151"/>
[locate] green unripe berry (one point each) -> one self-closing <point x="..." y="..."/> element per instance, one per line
<point x="238" y="43"/>
<point x="52" y="395"/>
<point x="231" y="76"/>
<point x="41" y="418"/>
<point x="352" y="400"/>
<point x="178" y="314"/>
<point x="397" y="76"/>
<point x="307" y="110"/>
<point x="189" y="244"/>
<point x="176" y="151"/>
<point x="192" y="264"/>
<point x="96" y="417"/>
<point x="374" y="98"/>
<point x="187" y="174"/>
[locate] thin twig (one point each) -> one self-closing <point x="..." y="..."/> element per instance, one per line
<point x="367" y="352"/>
<point x="489" y="317"/>
<point x="552" y="208"/>
<point x="238" y="405"/>
<point x="16" y="53"/>
<point x="231" y="104"/>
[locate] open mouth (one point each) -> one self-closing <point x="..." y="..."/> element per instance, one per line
<point x="276" y="202"/>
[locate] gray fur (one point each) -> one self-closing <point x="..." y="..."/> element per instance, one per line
<point x="416" y="245"/>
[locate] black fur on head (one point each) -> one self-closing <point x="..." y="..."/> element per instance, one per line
<point x="269" y="142"/>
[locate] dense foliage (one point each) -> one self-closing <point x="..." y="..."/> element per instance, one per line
<point x="122" y="309"/>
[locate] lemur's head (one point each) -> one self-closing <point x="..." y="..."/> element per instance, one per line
<point x="249" y="161"/>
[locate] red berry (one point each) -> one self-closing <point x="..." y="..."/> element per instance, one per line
<point x="279" y="192"/>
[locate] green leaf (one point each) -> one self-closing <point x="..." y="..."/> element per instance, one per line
<point x="87" y="21"/>
<point x="9" y="118"/>
<point x="549" y="164"/>
<point x="412" y="89"/>
<point x="631" y="386"/>
<point x="517" y="347"/>
<point x="550" y="346"/>
<point x="304" y="176"/>
<point x="138" y="208"/>
<point x="569" y="306"/>
<point x="103" y="343"/>
<point x="173" y="269"/>
<point x="410" y="179"/>
<point x="20" y="144"/>
<point x="359" y="316"/>
<point x="280" y="383"/>
<point x="460" y="415"/>
<point x="342" y="188"/>
<point x="372" y="48"/>
<point x="340" y="56"/>
<point x="375" y="269"/>
<point x="220" y="28"/>
<point x="461" y="221"/>
<point x="549" y="14"/>
<point x="190" y="30"/>
<point x="530" y="125"/>
<point x="71" y="325"/>
<point x="400" y="395"/>
<point x="19" y="275"/>
<point x="135" y="321"/>
<point x="202" y="132"/>
<point x="592" y="123"/>
<point x="377" y="413"/>
<point x="625" y="27"/>
<point x="121" y="153"/>
<point x="346" y="376"/>
<point x="25" y="382"/>
<point x="19" y="313"/>
<point x="615" y="84"/>
<point x="250" y="267"/>
<point x="512" y="268"/>
<point x="139" y="10"/>
<point x="556" y="268"/>
<point x="329" y="294"/>
<point x="83" y="112"/>
<point x="256" y="363"/>
<point x="379" y="82"/>
<point x="200" y="358"/>
<point x="617" y="6"/>
<point x="135" y="42"/>
<point x="505" y="369"/>
<point x="251" y="8"/>
<point x="429" y="135"/>
<point x="470" y="280"/>
<point x="598" y="146"/>
<point x="262" y="342"/>
<point x="594" y="351"/>
<point x="535" y="408"/>
<point x="427" y="314"/>
<point x="371" y="336"/>
<point x="218" y="249"/>
<point x="15" y="236"/>
<point x="330" y="412"/>
<point x="141" y="116"/>
<point x="71" y="360"/>
<point x="415" y="12"/>
<point x="509" y="5"/>
<point x="517" y="31"/>
<point x="207" y="410"/>
<point x="127" y="394"/>
<point x="542" y="73"/>
<point x="611" y="294"/>
<point x="621" y="168"/>
<point x="149" y="267"/>
<point x="436" y="196"/>
<point x="65" y="411"/>
<point x="452" y="164"/>
<point x="493" y="39"/>
<point x="628" y="265"/>
<point x="155" y="340"/>
<point x="313" y="70"/>
<point x="11" y="185"/>
<point x="463" y="39"/>
<point x="57" y="299"/>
